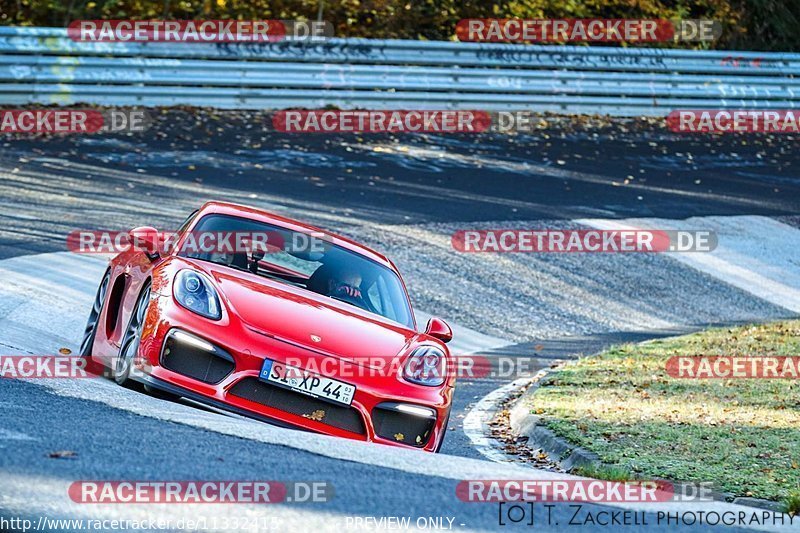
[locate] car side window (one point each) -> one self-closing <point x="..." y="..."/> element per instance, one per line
<point x="186" y="222"/>
<point x="183" y="228"/>
<point x="379" y="296"/>
<point x="374" y="296"/>
<point x="390" y="308"/>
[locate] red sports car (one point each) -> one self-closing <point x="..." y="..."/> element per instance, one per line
<point x="298" y="327"/>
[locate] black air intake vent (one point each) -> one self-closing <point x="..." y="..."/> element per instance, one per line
<point x="185" y="357"/>
<point x="340" y="416"/>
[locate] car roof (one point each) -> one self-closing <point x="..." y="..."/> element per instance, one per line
<point x="232" y="209"/>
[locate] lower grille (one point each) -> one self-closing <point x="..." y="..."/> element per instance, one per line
<point x="398" y="426"/>
<point x="339" y="416"/>
<point x="195" y="362"/>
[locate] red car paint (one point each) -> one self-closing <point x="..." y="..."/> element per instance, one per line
<point x="262" y="318"/>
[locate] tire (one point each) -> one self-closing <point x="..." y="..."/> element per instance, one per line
<point x="90" y="332"/>
<point x="129" y="347"/>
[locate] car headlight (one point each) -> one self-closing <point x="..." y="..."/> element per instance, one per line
<point x="426" y="366"/>
<point x="194" y="292"/>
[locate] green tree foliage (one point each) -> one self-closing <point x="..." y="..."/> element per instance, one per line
<point x="748" y="24"/>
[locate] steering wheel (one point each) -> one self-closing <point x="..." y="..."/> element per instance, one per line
<point x="358" y="301"/>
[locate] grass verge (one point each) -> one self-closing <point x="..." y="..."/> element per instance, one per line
<point x="791" y="503"/>
<point x="604" y="472"/>
<point x="742" y="435"/>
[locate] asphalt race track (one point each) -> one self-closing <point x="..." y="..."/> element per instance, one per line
<point x="403" y="195"/>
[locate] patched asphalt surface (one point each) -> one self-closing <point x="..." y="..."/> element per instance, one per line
<point x="116" y="445"/>
<point x="403" y="195"/>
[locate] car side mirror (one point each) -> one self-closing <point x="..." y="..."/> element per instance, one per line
<point x="146" y="239"/>
<point x="438" y="329"/>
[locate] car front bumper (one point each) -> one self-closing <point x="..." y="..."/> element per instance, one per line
<point x="385" y="409"/>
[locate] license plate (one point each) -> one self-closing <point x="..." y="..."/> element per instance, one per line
<point x="299" y="380"/>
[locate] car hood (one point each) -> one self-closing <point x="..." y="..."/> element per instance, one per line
<point x="292" y="314"/>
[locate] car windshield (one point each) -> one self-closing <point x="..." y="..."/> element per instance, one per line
<point x="299" y="259"/>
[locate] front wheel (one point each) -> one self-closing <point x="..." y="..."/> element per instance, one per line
<point x="89" y="333"/>
<point x="129" y="347"/>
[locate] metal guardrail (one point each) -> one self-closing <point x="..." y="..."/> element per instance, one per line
<point x="42" y="65"/>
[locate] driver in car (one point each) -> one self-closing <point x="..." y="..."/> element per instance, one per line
<point x="232" y="259"/>
<point x="223" y="258"/>
<point x="346" y="284"/>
